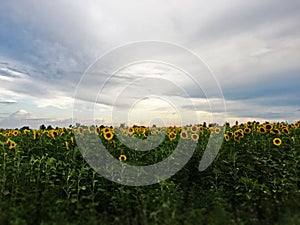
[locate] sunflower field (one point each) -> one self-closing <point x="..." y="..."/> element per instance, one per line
<point x="255" y="178"/>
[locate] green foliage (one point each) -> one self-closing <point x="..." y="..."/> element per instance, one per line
<point x="45" y="181"/>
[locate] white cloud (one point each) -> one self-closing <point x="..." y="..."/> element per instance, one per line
<point x="7" y="101"/>
<point x="60" y="102"/>
<point x="247" y="44"/>
<point x="19" y="85"/>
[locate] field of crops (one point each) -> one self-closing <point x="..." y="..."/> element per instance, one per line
<point x="254" y="179"/>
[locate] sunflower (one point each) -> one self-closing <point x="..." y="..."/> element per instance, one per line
<point x="217" y="130"/>
<point x="277" y="141"/>
<point x="34" y="134"/>
<point x="247" y="130"/>
<point x="106" y="129"/>
<point x="275" y="131"/>
<point x="97" y="130"/>
<point x="130" y="130"/>
<point x="16" y="132"/>
<point x="195" y="137"/>
<point x="293" y="139"/>
<point x="239" y="133"/>
<point x="145" y="134"/>
<point x="184" y="134"/>
<point x="201" y="129"/>
<point x="230" y="134"/>
<point x="262" y="130"/>
<point x="268" y="126"/>
<point x="53" y="133"/>
<point x="122" y="157"/>
<point x="142" y="130"/>
<point x="194" y="128"/>
<point x="226" y="137"/>
<point x="108" y="135"/>
<point x="172" y="136"/>
<point x="80" y="130"/>
<point x="8" y="141"/>
<point x="286" y="130"/>
<point x="67" y="145"/>
<point x="11" y="143"/>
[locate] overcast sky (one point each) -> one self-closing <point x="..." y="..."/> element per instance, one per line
<point x="252" y="48"/>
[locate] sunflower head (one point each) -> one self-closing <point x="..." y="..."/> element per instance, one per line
<point x="172" y="136"/>
<point x="247" y="130"/>
<point x="268" y="126"/>
<point x="230" y="134"/>
<point x="200" y="128"/>
<point x="97" y="130"/>
<point x="277" y="141"/>
<point x="239" y="133"/>
<point x="184" y="134"/>
<point x="285" y="130"/>
<point x="275" y="131"/>
<point x="11" y="143"/>
<point x="16" y="132"/>
<point x="108" y="135"/>
<point x="106" y="129"/>
<point x="293" y="139"/>
<point x="130" y="130"/>
<point x="80" y="130"/>
<point x="226" y="137"/>
<point x="194" y="128"/>
<point x="262" y="130"/>
<point x="217" y="130"/>
<point x="122" y="157"/>
<point x="53" y="133"/>
<point x="195" y="137"/>
<point x="8" y="141"/>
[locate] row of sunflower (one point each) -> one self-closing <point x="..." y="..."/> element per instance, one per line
<point x="236" y="132"/>
<point x="253" y="130"/>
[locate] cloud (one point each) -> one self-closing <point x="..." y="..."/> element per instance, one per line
<point x="20" y="84"/>
<point x="20" y="118"/>
<point x="252" y="47"/>
<point x="7" y="101"/>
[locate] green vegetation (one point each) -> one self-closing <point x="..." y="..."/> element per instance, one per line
<point x="254" y="180"/>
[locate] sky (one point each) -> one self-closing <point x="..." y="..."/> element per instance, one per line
<point x="250" y="48"/>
